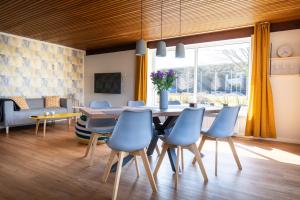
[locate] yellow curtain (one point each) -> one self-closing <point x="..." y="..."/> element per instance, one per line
<point x="141" y="78"/>
<point x="260" y="118"/>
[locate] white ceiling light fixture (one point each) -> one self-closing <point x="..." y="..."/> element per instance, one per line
<point x="180" y="51"/>
<point x="161" y="47"/>
<point x="141" y="45"/>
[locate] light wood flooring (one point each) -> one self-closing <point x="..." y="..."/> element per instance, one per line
<point x="52" y="167"/>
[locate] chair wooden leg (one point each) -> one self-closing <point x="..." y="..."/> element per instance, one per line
<point x="44" y="130"/>
<point x="161" y="157"/>
<point x="157" y="150"/>
<point x="137" y="166"/>
<point x="203" y="138"/>
<point x="108" y="165"/>
<point x="94" y="144"/>
<point x="148" y="170"/>
<point x="193" y="147"/>
<point x="7" y="130"/>
<point x="235" y="155"/>
<point x="177" y="166"/>
<point x="118" y="174"/>
<point x="182" y="160"/>
<point x="216" y="158"/>
<point x="69" y="122"/>
<point x="89" y="145"/>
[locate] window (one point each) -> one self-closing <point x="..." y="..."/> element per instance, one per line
<point x="211" y="73"/>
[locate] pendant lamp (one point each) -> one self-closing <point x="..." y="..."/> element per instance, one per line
<point x="180" y="51"/>
<point x="161" y="48"/>
<point x="141" y="45"/>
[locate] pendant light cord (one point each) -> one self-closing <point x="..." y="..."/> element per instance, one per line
<point x="180" y="18"/>
<point x="141" y="19"/>
<point x="161" y="6"/>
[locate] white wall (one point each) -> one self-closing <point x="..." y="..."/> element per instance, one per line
<point x="286" y="96"/>
<point x="290" y="37"/>
<point x="124" y="62"/>
<point x="286" y="91"/>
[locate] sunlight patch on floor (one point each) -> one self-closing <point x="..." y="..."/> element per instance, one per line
<point x="273" y="154"/>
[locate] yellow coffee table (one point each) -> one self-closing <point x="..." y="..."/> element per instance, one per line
<point x="44" y="118"/>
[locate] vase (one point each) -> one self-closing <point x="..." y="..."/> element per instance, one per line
<point x="163" y="99"/>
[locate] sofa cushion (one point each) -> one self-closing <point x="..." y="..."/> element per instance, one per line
<point x="52" y="101"/>
<point x="20" y="101"/>
<point x="35" y="103"/>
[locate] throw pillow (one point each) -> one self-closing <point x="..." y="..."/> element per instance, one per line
<point x="20" y="101"/>
<point x="52" y="102"/>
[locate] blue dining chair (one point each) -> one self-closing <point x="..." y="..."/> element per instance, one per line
<point x="100" y="104"/>
<point x="176" y="102"/>
<point x="98" y="128"/>
<point x="135" y="103"/>
<point x="139" y="104"/>
<point x="133" y="138"/>
<point x="222" y="128"/>
<point x="184" y="135"/>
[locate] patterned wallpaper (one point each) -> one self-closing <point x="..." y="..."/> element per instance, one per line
<point x="34" y="68"/>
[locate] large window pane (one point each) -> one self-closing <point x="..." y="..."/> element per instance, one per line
<point x="222" y="73"/>
<point x="211" y="73"/>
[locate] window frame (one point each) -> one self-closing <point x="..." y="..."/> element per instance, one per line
<point x="151" y="97"/>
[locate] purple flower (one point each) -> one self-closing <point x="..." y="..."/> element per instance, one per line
<point x="163" y="80"/>
<point x="152" y="74"/>
<point x="159" y="74"/>
<point x="170" y="73"/>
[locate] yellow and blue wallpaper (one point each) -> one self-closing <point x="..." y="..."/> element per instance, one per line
<point x="33" y="68"/>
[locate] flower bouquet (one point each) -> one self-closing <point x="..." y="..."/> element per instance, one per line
<point x="162" y="81"/>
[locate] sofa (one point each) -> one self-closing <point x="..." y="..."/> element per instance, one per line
<point x="12" y="118"/>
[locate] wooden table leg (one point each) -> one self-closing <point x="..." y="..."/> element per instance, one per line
<point x="45" y="123"/>
<point x="37" y="126"/>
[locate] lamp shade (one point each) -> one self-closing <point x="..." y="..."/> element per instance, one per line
<point x="180" y="51"/>
<point x="140" y="49"/>
<point x="161" y="49"/>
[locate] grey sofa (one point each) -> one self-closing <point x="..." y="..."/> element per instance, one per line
<point x="36" y="107"/>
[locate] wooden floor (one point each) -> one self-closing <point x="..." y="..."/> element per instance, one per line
<point x="52" y="167"/>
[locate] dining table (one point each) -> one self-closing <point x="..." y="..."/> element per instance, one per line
<point x="163" y="120"/>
